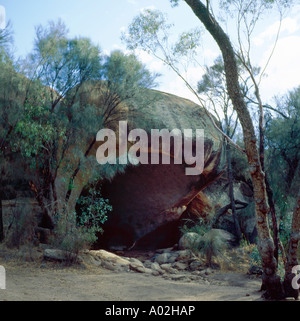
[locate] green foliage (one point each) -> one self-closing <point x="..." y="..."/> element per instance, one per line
<point x="213" y="87"/>
<point x="254" y="6"/>
<point x="144" y="30"/>
<point x="214" y="243"/>
<point x="174" y="3"/>
<point x="93" y="210"/>
<point x="121" y="70"/>
<point x="52" y="104"/>
<point x="11" y="86"/>
<point x="62" y="63"/>
<point x="49" y="116"/>
<point x="255" y="258"/>
<point x="200" y="228"/>
<point x="283" y="150"/>
<point x="78" y="231"/>
<point x="6" y="38"/>
<point x="188" y="43"/>
<point x="214" y="79"/>
<point x="285" y="225"/>
<point x="70" y="238"/>
<point x="150" y="31"/>
<point x="126" y="77"/>
<point x="211" y="242"/>
<point x="33" y="131"/>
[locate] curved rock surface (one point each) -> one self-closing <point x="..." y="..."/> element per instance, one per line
<point x="149" y="200"/>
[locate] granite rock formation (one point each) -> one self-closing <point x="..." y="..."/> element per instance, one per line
<point x="149" y="200"/>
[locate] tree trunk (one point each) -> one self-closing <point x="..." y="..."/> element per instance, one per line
<point x="274" y="219"/>
<point x="262" y="163"/>
<point x="231" y="195"/>
<point x="292" y="259"/>
<point x="271" y="280"/>
<point x="48" y="218"/>
<point x="224" y="209"/>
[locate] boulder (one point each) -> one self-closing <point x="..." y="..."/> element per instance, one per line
<point x="166" y="257"/>
<point x="60" y="255"/>
<point x="180" y="266"/>
<point x="135" y="261"/>
<point x="162" y="258"/>
<point x="179" y="277"/>
<point x="189" y="241"/>
<point x="184" y="254"/>
<point x="112" y="258"/>
<point x="156" y="268"/>
<point x="137" y="267"/>
<point x="196" y="265"/>
<point x="168" y="268"/>
<point x="148" y="200"/>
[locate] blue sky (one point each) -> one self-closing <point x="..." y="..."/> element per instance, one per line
<point x="100" y="20"/>
<point x="103" y="21"/>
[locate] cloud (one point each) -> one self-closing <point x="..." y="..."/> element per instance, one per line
<point x="152" y="63"/>
<point x="2" y="18"/>
<point x="175" y="85"/>
<point x="123" y="29"/>
<point x="288" y="25"/>
<point x="210" y="55"/>
<point x="134" y="2"/>
<point x="284" y="69"/>
<point x="143" y="56"/>
<point x="142" y="10"/>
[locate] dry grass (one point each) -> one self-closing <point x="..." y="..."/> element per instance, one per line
<point x="235" y="260"/>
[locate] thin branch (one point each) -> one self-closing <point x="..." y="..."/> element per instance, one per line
<point x="273" y="49"/>
<point x="168" y="63"/>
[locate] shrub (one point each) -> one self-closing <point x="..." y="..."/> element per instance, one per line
<point x="20" y="230"/>
<point x="214" y="243"/>
<point x="78" y="232"/>
<point x="255" y="258"/>
<point x="93" y="210"/>
<point x="211" y="242"/>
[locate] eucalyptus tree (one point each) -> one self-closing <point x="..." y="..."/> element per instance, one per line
<point x="212" y="85"/>
<point x="283" y="164"/>
<point x="145" y="30"/>
<point x="72" y="91"/>
<point x="11" y="88"/>
<point x="283" y="145"/>
<point x="124" y="84"/>
<point x="203" y="11"/>
<point x="52" y="122"/>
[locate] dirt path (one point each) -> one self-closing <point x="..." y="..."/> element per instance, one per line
<point x="28" y="282"/>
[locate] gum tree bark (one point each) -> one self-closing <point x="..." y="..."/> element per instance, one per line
<point x="292" y="259"/>
<point x="271" y="281"/>
<point x="231" y="195"/>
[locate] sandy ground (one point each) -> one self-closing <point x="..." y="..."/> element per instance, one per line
<point x="31" y="282"/>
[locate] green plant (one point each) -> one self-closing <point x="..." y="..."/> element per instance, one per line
<point x="93" y="210"/>
<point x="200" y="227"/>
<point x="211" y="242"/>
<point x="255" y="259"/>
<point x="76" y="232"/>
<point x="66" y="237"/>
